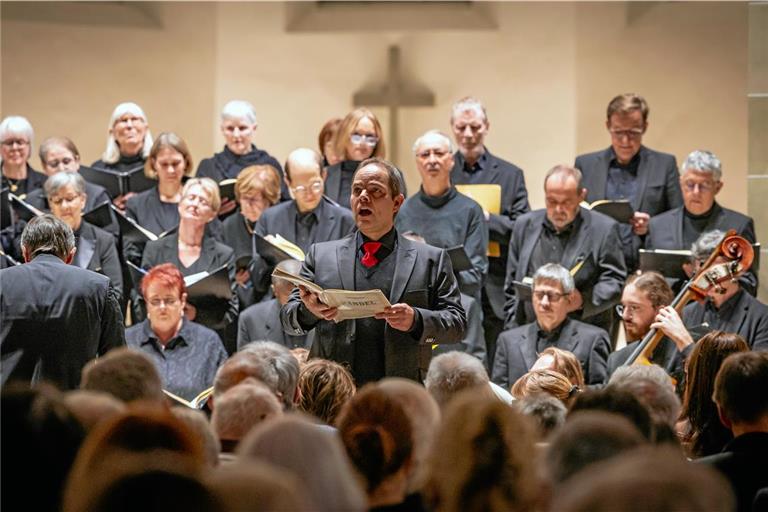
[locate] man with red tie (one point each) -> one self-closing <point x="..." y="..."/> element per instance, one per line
<point x="417" y="279"/>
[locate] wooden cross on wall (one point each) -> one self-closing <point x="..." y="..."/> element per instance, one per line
<point x="394" y="93"/>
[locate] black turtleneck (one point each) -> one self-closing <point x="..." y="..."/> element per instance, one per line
<point x="125" y="163"/>
<point x="695" y="225"/>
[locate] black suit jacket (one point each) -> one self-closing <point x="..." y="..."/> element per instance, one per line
<point x="212" y="257"/>
<point x="600" y="278"/>
<point x="516" y="351"/>
<point x="96" y="251"/>
<point x="665" y="355"/>
<point x="474" y="337"/>
<point x="57" y="317"/>
<point x="262" y="322"/>
<point x="666" y="232"/>
<point x="423" y="278"/>
<point x="749" y="320"/>
<point x="514" y="202"/>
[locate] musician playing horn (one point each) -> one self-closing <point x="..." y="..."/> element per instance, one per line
<point x="644" y="306"/>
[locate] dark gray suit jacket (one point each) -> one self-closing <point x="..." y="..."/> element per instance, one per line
<point x="516" y="351"/>
<point x="666" y="232"/>
<point x="262" y="322"/>
<point x="423" y="278"/>
<point x="474" y="337"/>
<point x="57" y="317"/>
<point x="96" y="251"/>
<point x="749" y="320"/>
<point x="600" y="278"/>
<point x="514" y="202"/>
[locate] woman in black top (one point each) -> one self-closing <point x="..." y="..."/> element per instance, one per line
<point x="359" y="137"/>
<point x="16" y="135"/>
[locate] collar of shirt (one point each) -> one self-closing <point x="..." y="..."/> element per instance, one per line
<point x="632" y="166"/>
<point x="706" y="215"/>
<point x="437" y="201"/>
<point x="388" y="242"/>
<point x="310" y="217"/>
<point x="567" y="230"/>
<point x="726" y="308"/>
<point x="554" y="334"/>
<point x="150" y="338"/>
<point x="480" y="165"/>
<point x="350" y="165"/>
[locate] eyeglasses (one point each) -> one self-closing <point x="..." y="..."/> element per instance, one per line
<point x="168" y="302"/>
<point x="63" y="161"/>
<point x="439" y="154"/>
<point x="631" y="309"/>
<point x="360" y="138"/>
<point x="706" y="186"/>
<point x="9" y="143"/>
<point x="552" y="297"/>
<point x="633" y="134"/>
<point x="58" y="201"/>
<point x="315" y="187"/>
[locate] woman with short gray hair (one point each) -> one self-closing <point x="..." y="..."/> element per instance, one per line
<point x="16" y="137"/>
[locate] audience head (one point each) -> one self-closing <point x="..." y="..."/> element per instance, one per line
<point x="47" y="234"/>
<point x="561" y="361"/>
<point x="169" y="159"/>
<point x="483" y="458"/>
<point x="197" y="423"/>
<point x="238" y="124"/>
<point x="265" y="361"/>
<point x="281" y="287"/>
<point x="256" y="189"/>
<point x="200" y="201"/>
<point x="16" y="137"/>
<point x="706" y="434"/>
<point x="627" y="120"/>
<point x="563" y="194"/>
<point x="165" y="296"/>
<point x="469" y="123"/>
<point x="324" y="386"/>
<point x="92" y="407"/>
<point x="126" y="374"/>
<point x="434" y="161"/>
<point x="652" y="386"/>
<point x="59" y="154"/>
<point x="241" y="408"/>
<point x="66" y="197"/>
<point x="452" y="372"/>
<point x="376" y="197"/>
<point x="700" y="175"/>
<point x="129" y="133"/>
<point x="326" y="141"/>
<point x="311" y="452"/>
<point x="256" y="486"/>
<point x="618" y="401"/>
<point x="305" y="175"/>
<point x="643" y="296"/>
<point x="647" y="478"/>
<point x="360" y="136"/>
<point x="40" y="438"/>
<point x="546" y="411"/>
<point x="424" y="415"/>
<point x="741" y="392"/>
<point x="545" y="381"/>
<point x="552" y="288"/>
<point x="586" y="438"/>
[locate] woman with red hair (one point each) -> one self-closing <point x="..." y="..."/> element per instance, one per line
<point x="187" y="354"/>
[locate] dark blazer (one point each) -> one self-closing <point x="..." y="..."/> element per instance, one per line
<point x="597" y="243"/>
<point x="96" y="251"/>
<point x="474" y="337"/>
<point x="262" y="322"/>
<point x="212" y="256"/>
<point x="516" y="351"/>
<point x="658" y="181"/>
<point x="57" y="317"/>
<point x="740" y="463"/>
<point x="235" y="234"/>
<point x="666" y="232"/>
<point x="749" y="320"/>
<point x="423" y="278"/>
<point x="147" y="209"/>
<point x="665" y="355"/>
<point x="514" y="202"/>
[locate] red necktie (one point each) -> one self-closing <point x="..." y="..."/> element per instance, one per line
<point x="369" y="259"/>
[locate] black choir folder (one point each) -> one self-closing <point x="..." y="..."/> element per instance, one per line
<point x="524" y="289"/>
<point x="227" y="189"/>
<point x="118" y="183"/>
<point x="23" y="209"/>
<point x="351" y="304"/>
<point x="667" y="262"/>
<point x="100" y="215"/>
<point x="619" y="210"/>
<point x="133" y="232"/>
<point x="459" y="259"/>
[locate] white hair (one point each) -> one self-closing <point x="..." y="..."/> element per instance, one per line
<point x="703" y="161"/>
<point x="17" y="125"/>
<point x="112" y="152"/>
<point x="556" y="273"/>
<point x="239" y="109"/>
<point x="420" y="140"/>
<point x="468" y="103"/>
<point x="452" y="372"/>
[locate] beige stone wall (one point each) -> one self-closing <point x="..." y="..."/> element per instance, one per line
<point x="546" y="74"/>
